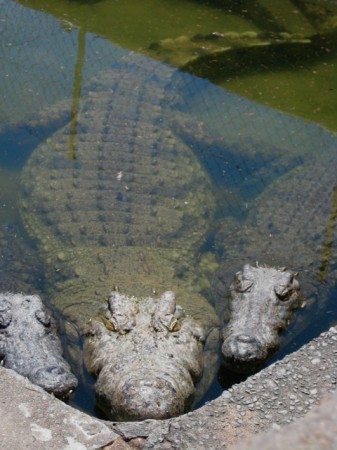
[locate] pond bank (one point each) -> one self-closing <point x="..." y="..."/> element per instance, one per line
<point x="277" y="396"/>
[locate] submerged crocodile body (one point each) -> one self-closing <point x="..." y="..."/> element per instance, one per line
<point x="123" y="206"/>
<point x="292" y="223"/>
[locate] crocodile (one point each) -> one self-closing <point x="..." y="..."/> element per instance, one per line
<point x="105" y="247"/>
<point x="29" y="344"/>
<point x="184" y="50"/>
<point x="119" y="211"/>
<point x="292" y="224"/>
<point x="29" y="340"/>
<point x="261" y="303"/>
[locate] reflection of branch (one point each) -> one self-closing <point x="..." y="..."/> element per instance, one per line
<point x="329" y="238"/>
<point x="76" y="94"/>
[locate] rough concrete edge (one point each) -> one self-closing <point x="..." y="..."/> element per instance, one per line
<point x="278" y="395"/>
<point x="31" y="417"/>
<point x="316" y="430"/>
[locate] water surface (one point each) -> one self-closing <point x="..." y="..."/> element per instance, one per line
<point x="52" y="52"/>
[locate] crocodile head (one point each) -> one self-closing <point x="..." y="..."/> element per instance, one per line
<point x="147" y="355"/>
<point x="261" y="304"/>
<point x="29" y="344"/>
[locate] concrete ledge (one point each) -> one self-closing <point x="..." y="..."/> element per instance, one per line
<point x="277" y="396"/>
<point x="32" y="419"/>
<point x="317" y="430"/>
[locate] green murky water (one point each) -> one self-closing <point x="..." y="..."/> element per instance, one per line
<point x="281" y="54"/>
<point x="299" y="79"/>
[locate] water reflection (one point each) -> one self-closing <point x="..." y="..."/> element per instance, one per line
<point x="297" y="78"/>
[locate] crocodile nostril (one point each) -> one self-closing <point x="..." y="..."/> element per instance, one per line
<point x="154" y="398"/>
<point x="246" y="339"/>
<point x="56" y="379"/>
<point x="51" y="372"/>
<point x="242" y="352"/>
<point x="55" y="370"/>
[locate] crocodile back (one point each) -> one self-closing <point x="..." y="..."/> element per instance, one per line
<point x="121" y="189"/>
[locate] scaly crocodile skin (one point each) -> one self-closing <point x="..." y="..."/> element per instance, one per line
<point x="123" y="204"/>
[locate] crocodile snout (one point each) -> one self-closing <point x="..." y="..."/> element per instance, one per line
<point x="148" y="397"/>
<point x="262" y="301"/>
<point x="243" y="349"/>
<point x="148" y="360"/>
<point x="54" y="378"/>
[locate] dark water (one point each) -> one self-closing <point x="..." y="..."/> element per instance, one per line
<point x="51" y="51"/>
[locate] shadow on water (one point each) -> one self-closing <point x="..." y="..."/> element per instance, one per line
<point x="243" y="62"/>
<point x="250" y="10"/>
<point x="18" y="141"/>
<point x="86" y="2"/>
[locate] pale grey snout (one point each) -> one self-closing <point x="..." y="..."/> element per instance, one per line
<point x="242" y="350"/>
<point x="54" y="378"/>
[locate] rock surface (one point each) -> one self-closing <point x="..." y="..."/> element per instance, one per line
<point x="277" y="396"/>
<point x="32" y="419"/>
<point x="315" y="431"/>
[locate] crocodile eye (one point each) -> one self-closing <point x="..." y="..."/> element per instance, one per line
<point x="294" y="282"/>
<point x="43" y="317"/>
<point x="5" y="313"/>
<point x="283" y="293"/>
<point x="241" y="284"/>
<point x="122" y="313"/>
<point x="167" y="314"/>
